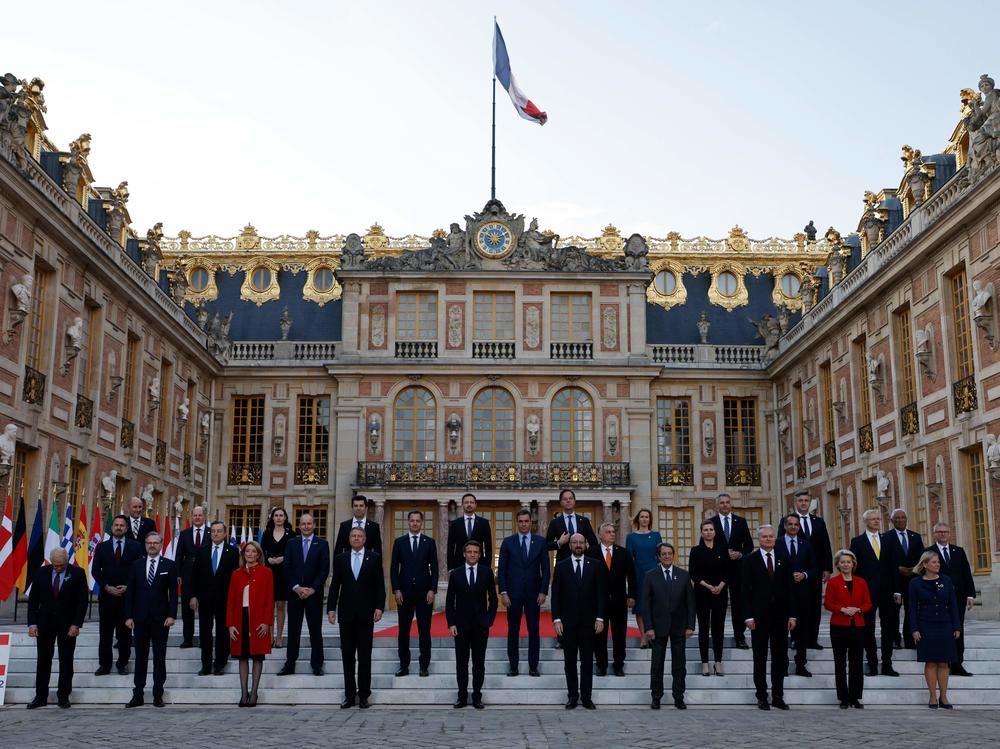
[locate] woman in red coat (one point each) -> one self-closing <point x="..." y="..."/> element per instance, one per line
<point x="847" y="598"/>
<point x="249" y="613"/>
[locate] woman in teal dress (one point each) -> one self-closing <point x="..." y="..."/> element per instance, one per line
<point x="641" y="545"/>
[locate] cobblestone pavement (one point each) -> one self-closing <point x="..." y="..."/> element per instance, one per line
<point x="508" y="728"/>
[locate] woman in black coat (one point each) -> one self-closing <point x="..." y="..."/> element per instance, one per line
<point x="708" y="565"/>
<point x="273" y="542"/>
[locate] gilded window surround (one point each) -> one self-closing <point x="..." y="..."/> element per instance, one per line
<point x="273" y="291"/>
<point x="311" y="292"/>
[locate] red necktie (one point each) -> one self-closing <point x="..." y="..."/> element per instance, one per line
<point x="118" y="551"/>
<point x="770" y="565"/>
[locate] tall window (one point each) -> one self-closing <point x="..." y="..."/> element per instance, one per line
<point x="904" y="334"/>
<point x="416" y="315"/>
<point x="163" y="411"/>
<point x="826" y="393"/>
<point x="572" y="426"/>
<point x="960" y="326"/>
<point x="248" y="429"/>
<point x="38" y="323"/>
<point x="494" y="316"/>
<point x="918" y="490"/>
<point x="413" y="426"/>
<point x="800" y="413"/>
<point x="740" y="428"/>
<point x="319" y="518"/>
<point x="192" y="417"/>
<point x="833" y="520"/>
<point x="755" y="518"/>
<point x="673" y="430"/>
<point x="978" y="512"/>
<point x="74" y="492"/>
<point x="493" y="426"/>
<point x="238" y="518"/>
<point x="864" y="395"/>
<point x="314" y="429"/>
<point x="677" y="527"/>
<point x="571" y="317"/>
<point x="87" y="358"/>
<point x="401" y="521"/>
<point x="131" y="356"/>
<point x="19" y="487"/>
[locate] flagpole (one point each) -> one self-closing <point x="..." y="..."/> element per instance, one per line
<point x="493" y="153"/>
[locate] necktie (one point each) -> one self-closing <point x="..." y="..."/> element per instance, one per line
<point x="570" y="525"/>
<point x="55" y="585"/>
<point x="725" y="526"/>
<point x="305" y="547"/>
<point x="414" y="539"/>
<point x="356" y="564"/>
<point x="468" y="522"/>
<point x="524" y="546"/>
<point x="667" y="576"/>
<point x="579" y="570"/>
<point x="904" y="542"/>
<point x="197" y="537"/>
<point x="118" y="551"/>
<point x="152" y="571"/>
<point x="877" y="546"/>
<point x="793" y="551"/>
<point x="805" y="525"/>
<point x="947" y="556"/>
<point x="135" y="527"/>
<point x="607" y="557"/>
<point x="359" y="524"/>
<point x="472" y="576"/>
<point x="770" y="565"/>
<point x="215" y="559"/>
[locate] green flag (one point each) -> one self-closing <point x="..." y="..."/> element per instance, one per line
<point x="53" y="536"/>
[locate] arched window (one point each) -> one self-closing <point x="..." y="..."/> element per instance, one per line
<point x="493" y="426"/>
<point x="413" y="426"/>
<point x="572" y="426"/>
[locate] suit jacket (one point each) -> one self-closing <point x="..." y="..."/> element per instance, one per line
<point x="50" y="612"/>
<point x="186" y="551"/>
<point x="621" y="577"/>
<point x="667" y="608"/>
<point x="960" y="572"/>
<point x="898" y="558"/>
<point x="458" y="536"/>
<point x="739" y="539"/>
<point x="579" y="602"/>
<point x="522" y="578"/>
<point x="557" y="526"/>
<point x="414" y="575"/>
<point x="470" y="607"/>
<point x="805" y="562"/>
<point x="107" y="570"/>
<point x="767" y="600"/>
<point x="837" y="597"/>
<point x="213" y="588"/>
<point x="875" y="570"/>
<point x="357" y="599"/>
<point x="310" y="572"/>
<point x="156" y="602"/>
<point x="146" y="526"/>
<point x="373" y="537"/>
<point x="819" y="540"/>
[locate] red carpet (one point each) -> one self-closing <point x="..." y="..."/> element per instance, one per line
<point x="439" y="627"/>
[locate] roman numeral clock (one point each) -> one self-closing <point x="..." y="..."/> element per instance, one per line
<point x="494" y="233"/>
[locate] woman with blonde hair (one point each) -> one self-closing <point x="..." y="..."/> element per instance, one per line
<point x="249" y="615"/>
<point x="935" y="625"/>
<point x="848" y="600"/>
<point x="641" y="545"/>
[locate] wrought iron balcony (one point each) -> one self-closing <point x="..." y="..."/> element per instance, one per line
<point x="963" y="391"/>
<point x="245" y="474"/>
<point x="33" y="391"/>
<point x="84" y="417"/>
<point x="312" y="473"/>
<point x="909" y="419"/>
<point x="186" y="465"/>
<point x="570" y="351"/>
<point x="492" y="349"/>
<point x="830" y="453"/>
<point x="508" y="475"/>
<point x="416" y="349"/>
<point x="675" y="474"/>
<point x="127" y="439"/>
<point x="742" y="474"/>
<point x="161" y="452"/>
<point x="866" y="441"/>
<point x="801" y="469"/>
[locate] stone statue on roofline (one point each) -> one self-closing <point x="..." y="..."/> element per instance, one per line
<point x="810" y="231"/>
<point x="636" y="252"/>
<point x="983" y="124"/>
<point x="352" y="255"/>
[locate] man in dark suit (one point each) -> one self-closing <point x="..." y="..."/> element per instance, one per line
<point x="523" y="575"/>
<point x="413" y="575"/>
<point x="57" y="604"/>
<point x="138" y="525"/>
<point x="579" y="600"/>
<point x="668" y="611"/>
<point x="307" y="565"/>
<point x="357" y="589"/>
<point x="564" y="525"/>
<point x="795" y="549"/>
<point x="150" y="612"/>
<point x="471" y="608"/>
<point x="873" y="566"/>
<point x="214" y="565"/>
<point x="904" y="548"/>
<point x="733" y="532"/>
<point x="113" y="560"/>
<point x="769" y="607"/>
<point x="955" y="564"/>
<point x="359" y="519"/>
<point x="469" y="527"/>
<point x="189" y="542"/>
<point x="620" y="590"/>
<point x="813" y="529"/>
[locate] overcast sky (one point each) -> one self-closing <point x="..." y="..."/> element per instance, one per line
<point x="662" y="116"/>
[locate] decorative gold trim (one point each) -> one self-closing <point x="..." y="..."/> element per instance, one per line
<point x="667" y="301"/>
<point x="313" y="294"/>
<point x="778" y="296"/>
<point x="740" y="297"/>
<point x="273" y="291"/>
<point x="211" y="291"/>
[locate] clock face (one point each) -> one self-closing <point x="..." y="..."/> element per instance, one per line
<point x="494" y="239"/>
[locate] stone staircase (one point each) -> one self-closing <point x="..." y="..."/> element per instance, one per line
<point x="184" y="686"/>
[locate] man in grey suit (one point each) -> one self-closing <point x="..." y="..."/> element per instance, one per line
<point x="668" y="613"/>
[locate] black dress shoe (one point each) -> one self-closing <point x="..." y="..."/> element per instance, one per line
<point x="815" y="646"/>
<point x="512" y="671"/>
<point x="762" y="705"/>
<point x="136" y="701"/>
<point x="348" y="702"/>
<point x="477" y="702"/>
<point x="679" y="704"/>
<point x="558" y="645"/>
<point x="571" y="703"/>
<point x="207" y="671"/>
<point x="363" y="703"/>
<point x="318" y="671"/>
<point x="844" y="705"/>
<point x="38" y="702"/>
<point x="105" y="670"/>
<point x="64" y="702"/>
<point x="424" y="672"/>
<point x="460" y="703"/>
<point x="742" y="645"/>
<point x="857" y="705"/>
<point x="601" y="672"/>
<point x="959" y="670"/>
<point x="287" y="669"/>
<point x="871" y="669"/>
<point x="619" y="670"/>
<point x="158" y="702"/>
<point x="221" y="671"/>
<point x="123" y="670"/>
<point x="889" y="671"/>
<point x="802" y="671"/>
<point x="779" y="703"/>
<point x="588" y="704"/>
<point x="534" y="672"/>
<point x="655" y="704"/>
<point x="186" y="644"/>
<point x="402" y="672"/>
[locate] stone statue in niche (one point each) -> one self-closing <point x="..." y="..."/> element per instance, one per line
<point x="810" y="231"/>
<point x="285" y="323"/>
<point x="183" y="410"/>
<point x="993" y="456"/>
<point x="609" y="328"/>
<point x="278" y="442"/>
<point x="8" y="444"/>
<point x="74" y="334"/>
<point x="708" y="436"/>
<point x="454" y="425"/>
<point x="703" y="326"/>
<point x="783" y="432"/>
<point x="179" y="504"/>
<point x="532" y="327"/>
<point x="374" y="432"/>
<point x="636" y="252"/>
<point x="205" y="426"/>
<point x="873" y="367"/>
<point x="882" y="482"/>
<point x="981" y="297"/>
<point x="923" y="350"/>
<point x="109" y="483"/>
<point x="612" y="435"/>
<point x="454" y="326"/>
<point x="378" y="326"/>
<point x="147" y="496"/>
<point x="22" y="293"/>
<point x="533" y="426"/>
<point x="153" y="394"/>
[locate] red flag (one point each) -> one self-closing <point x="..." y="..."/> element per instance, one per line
<point x="7" y="573"/>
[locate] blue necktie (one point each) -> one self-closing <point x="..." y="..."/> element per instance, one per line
<point x="215" y="559"/>
<point x="947" y="556"/>
<point x="152" y="572"/>
<point x="570" y="525"/>
<point x="356" y="564"/>
<point x="305" y="547"/>
<point x="904" y="542"/>
<point x="725" y="527"/>
<point x="524" y="546"/>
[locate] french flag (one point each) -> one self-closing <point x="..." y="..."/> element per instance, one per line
<point x="501" y="70"/>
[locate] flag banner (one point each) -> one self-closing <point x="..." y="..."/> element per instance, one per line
<point x="501" y="70"/>
<point x="19" y="555"/>
<point x="243" y="536"/>
<point x="36" y="549"/>
<point x="52" y="536"/>
<point x="167" y="550"/>
<point x="96" y="536"/>
<point x="81" y="545"/>
<point x="68" y="537"/>
<point x="6" y="550"/>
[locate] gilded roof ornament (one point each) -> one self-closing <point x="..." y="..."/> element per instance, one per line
<point x="375" y="240"/>
<point x="737" y="241"/>
<point x="611" y="240"/>
<point x="248" y="239"/>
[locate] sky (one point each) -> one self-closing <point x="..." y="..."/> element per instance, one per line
<point x="663" y="116"/>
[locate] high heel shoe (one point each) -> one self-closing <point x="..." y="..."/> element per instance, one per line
<point x="945" y="705"/>
<point x="252" y="701"/>
<point x="704" y="670"/>
<point x="718" y="669"/>
<point x="243" y="701"/>
<point x="932" y="705"/>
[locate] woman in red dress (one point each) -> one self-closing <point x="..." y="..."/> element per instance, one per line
<point x="249" y="614"/>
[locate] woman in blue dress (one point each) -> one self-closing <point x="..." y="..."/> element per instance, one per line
<point x="935" y="625"/>
<point x="641" y="545"/>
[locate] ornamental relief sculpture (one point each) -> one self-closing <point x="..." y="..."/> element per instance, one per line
<point x="378" y="326"/>
<point x="609" y="328"/>
<point x="456" y="314"/>
<point x="532" y="327"/>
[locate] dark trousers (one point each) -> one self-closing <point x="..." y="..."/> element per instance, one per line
<point x="907" y="638"/>
<point x="112" y="624"/>
<point x="960" y="642"/>
<point x="530" y="609"/>
<point x="471" y="641"/>
<point x="356" y="639"/>
<point x="46" y="644"/>
<point x="617" y="622"/>
<point x="212" y="619"/>
<point x="711" y="611"/>
<point x="312" y="609"/>
<point x="886" y="615"/>
<point x="578" y="641"/>
<point x="678" y="668"/>
<point x="848" y="672"/>
<point x="148" y="634"/>
<point x="735" y="585"/>
<point x="187" y="615"/>
<point x="422" y="610"/>
<point x="814" y="608"/>
<point x="801" y="636"/>
<point x="770" y="634"/>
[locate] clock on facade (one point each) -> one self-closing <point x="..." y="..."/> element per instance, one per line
<point x="494" y="239"/>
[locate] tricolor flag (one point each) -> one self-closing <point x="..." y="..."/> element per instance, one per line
<point x="243" y="536"/>
<point x="167" y="551"/>
<point x="501" y="71"/>
<point x="96" y="536"/>
<point x="52" y="535"/>
<point x="36" y="549"/>
<point x="82" y="545"/>
<point x="19" y="557"/>
<point x="6" y="550"/>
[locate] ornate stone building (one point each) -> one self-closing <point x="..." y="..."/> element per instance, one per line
<point x="248" y="372"/>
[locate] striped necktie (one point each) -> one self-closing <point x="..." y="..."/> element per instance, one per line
<point x="152" y="571"/>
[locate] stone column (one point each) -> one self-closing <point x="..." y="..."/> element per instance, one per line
<point x="442" y="550"/>
<point x="380" y="512"/>
<point x="607" y="518"/>
<point x="636" y="319"/>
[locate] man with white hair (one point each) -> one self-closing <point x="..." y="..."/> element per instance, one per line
<point x="873" y="566"/>
<point x="139" y="526"/>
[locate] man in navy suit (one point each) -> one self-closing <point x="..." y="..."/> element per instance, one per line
<point x="955" y="564"/>
<point x="579" y="601"/>
<point x="57" y="604"/>
<point x="813" y="529"/>
<point x="138" y="524"/>
<point x="566" y="524"/>
<point x="794" y="548"/>
<point x="873" y="566"/>
<point x="469" y="527"/>
<point x="523" y="574"/>
<point x="359" y="519"/>
<point x="150" y="611"/>
<point x="214" y="565"/>
<point x="113" y="560"/>
<point x="413" y="574"/>
<point x="733" y="531"/>
<point x="307" y="565"/>
<point x="471" y="608"/>
<point x="904" y="548"/>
